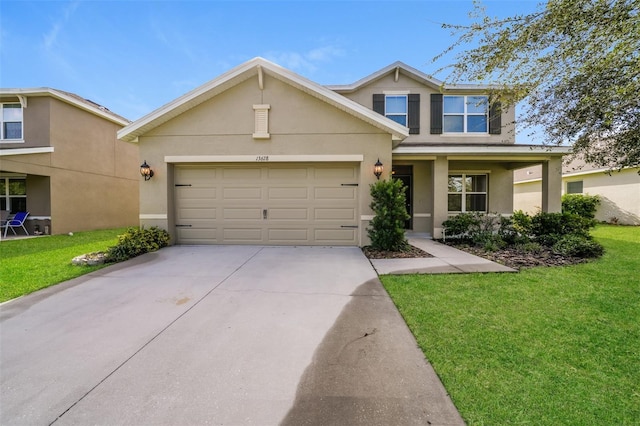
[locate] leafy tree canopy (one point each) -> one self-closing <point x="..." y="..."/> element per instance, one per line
<point x="576" y="66"/>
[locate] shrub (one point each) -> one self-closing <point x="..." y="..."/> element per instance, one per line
<point x="137" y="241"/>
<point x="549" y="228"/>
<point x="462" y="226"/>
<point x="577" y="246"/>
<point x="581" y="205"/>
<point x="387" y="227"/>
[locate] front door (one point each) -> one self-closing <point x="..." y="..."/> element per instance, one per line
<point x="405" y="174"/>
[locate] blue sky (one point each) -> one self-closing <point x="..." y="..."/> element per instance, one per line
<point x="135" y="56"/>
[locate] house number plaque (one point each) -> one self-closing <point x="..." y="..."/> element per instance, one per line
<point x="262" y="158"/>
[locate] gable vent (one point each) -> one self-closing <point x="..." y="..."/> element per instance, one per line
<point x="262" y="121"/>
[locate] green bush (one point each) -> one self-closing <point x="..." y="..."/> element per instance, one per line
<point x="549" y="228"/>
<point x="137" y="241"/>
<point x="387" y="227"/>
<point x="581" y="205"/>
<point x="578" y="246"/>
<point x="462" y="226"/>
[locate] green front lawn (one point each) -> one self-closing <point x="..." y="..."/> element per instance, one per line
<point x="27" y="265"/>
<point x="546" y="346"/>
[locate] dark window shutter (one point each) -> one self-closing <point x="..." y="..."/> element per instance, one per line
<point x="414" y="114"/>
<point x="495" y="118"/>
<point x="378" y="103"/>
<point x="436" y="114"/>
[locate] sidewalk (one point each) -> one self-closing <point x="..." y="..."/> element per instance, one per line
<point x="445" y="260"/>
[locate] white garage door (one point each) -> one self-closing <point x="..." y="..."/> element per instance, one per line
<point x="278" y="204"/>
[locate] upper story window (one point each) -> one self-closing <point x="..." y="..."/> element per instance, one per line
<point x="402" y="108"/>
<point x="465" y="114"/>
<point x="11" y="120"/>
<point x="395" y="108"/>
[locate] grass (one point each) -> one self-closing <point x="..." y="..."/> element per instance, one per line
<point x="27" y="265"/>
<point x="546" y="346"/>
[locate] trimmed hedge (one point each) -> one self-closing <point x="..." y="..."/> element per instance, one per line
<point x="387" y="226"/>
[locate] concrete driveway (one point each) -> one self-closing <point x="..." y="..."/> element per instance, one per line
<point x="225" y="335"/>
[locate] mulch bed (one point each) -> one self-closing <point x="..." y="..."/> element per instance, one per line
<point x="510" y="257"/>
<point x="518" y="259"/>
<point x="384" y="254"/>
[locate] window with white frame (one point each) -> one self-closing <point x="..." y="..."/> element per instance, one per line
<point x="13" y="194"/>
<point x="574" y="187"/>
<point x="467" y="193"/>
<point x="11" y="120"/>
<point x="465" y="114"/>
<point x="395" y="108"/>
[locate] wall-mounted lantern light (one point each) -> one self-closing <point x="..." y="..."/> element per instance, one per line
<point x="146" y="171"/>
<point x="377" y="169"/>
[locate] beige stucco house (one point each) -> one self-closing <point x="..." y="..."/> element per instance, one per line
<point x="619" y="191"/>
<point x="60" y="160"/>
<point x="261" y="155"/>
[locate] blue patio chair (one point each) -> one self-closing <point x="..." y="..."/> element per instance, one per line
<point x="16" y="222"/>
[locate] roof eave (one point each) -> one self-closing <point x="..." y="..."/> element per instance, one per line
<point x="60" y="95"/>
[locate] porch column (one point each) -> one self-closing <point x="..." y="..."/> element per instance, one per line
<point x="440" y="181"/>
<point x="552" y="185"/>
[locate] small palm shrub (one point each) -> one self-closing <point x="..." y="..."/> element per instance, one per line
<point x="386" y="230"/>
<point x="137" y="241"/>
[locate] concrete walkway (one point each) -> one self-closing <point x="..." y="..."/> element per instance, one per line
<point x="445" y="260"/>
<point x="225" y="335"/>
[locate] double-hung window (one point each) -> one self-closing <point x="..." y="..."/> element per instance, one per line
<point x="465" y="114"/>
<point x="395" y="108"/>
<point x="467" y="193"/>
<point x="11" y="120"/>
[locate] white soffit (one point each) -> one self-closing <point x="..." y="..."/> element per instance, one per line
<point x="248" y="70"/>
<point x="470" y="150"/>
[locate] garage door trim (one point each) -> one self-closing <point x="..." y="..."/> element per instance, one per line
<point x="356" y="158"/>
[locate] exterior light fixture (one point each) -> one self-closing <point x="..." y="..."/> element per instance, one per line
<point x="146" y="171"/>
<point x="377" y="169"/>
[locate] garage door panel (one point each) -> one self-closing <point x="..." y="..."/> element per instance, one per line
<point x="242" y="214"/>
<point x="198" y="176"/>
<point x="244" y="173"/>
<point x="187" y="213"/>
<point x="287" y="235"/>
<point x="339" y="172"/>
<point x="196" y="235"/>
<point x="335" y="214"/>
<point x="288" y="173"/>
<point x="333" y="236"/>
<point x="309" y="204"/>
<point x="289" y="214"/>
<point x="333" y="193"/>
<point x="254" y="193"/>
<point x="242" y="234"/>
<point x="288" y="193"/>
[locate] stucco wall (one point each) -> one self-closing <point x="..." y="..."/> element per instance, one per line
<point x="299" y="124"/>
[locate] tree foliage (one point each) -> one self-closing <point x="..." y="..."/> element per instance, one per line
<point x="576" y="63"/>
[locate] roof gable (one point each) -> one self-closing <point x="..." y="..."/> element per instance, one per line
<point x="255" y="69"/>
<point x="397" y="68"/>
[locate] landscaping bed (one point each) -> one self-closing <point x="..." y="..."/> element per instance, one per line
<point x="410" y="252"/>
<point x="516" y="258"/>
